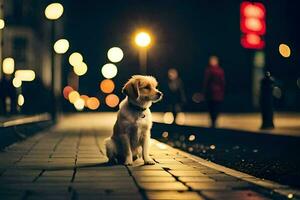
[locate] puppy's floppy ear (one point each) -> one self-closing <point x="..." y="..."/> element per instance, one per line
<point x="131" y="88"/>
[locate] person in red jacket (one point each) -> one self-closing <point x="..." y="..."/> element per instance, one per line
<point x="214" y="88"/>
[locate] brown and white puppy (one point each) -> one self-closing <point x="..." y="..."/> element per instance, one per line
<point x="131" y="133"/>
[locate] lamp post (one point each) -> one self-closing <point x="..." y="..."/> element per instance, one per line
<point x="53" y="12"/>
<point x="143" y="40"/>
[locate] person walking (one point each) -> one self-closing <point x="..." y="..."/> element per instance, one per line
<point x="176" y="94"/>
<point x="214" y="88"/>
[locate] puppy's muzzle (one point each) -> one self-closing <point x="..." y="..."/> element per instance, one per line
<point x="159" y="95"/>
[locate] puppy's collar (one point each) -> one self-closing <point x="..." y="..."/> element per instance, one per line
<point x="136" y="107"/>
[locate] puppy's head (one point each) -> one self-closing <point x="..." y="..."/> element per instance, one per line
<point x="142" y="89"/>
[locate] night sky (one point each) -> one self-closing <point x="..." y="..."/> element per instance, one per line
<point x="185" y="34"/>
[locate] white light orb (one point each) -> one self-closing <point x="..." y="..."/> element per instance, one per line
<point x="8" y="65"/>
<point x="75" y="59"/>
<point x="17" y="82"/>
<point x="109" y="70"/>
<point x="115" y="54"/>
<point x="25" y="75"/>
<point x="79" y="104"/>
<point x="81" y="69"/>
<point x="2" y="24"/>
<point x="21" y="100"/>
<point x="53" y="11"/>
<point x="61" y="46"/>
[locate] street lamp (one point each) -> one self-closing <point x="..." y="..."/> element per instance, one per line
<point x="143" y="40"/>
<point x="53" y="12"/>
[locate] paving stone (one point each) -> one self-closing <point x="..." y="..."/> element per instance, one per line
<point x="158" y="179"/>
<point x="150" y="173"/>
<point x="162" y="186"/>
<point x="186" y="173"/>
<point x="234" y="195"/>
<point x="174" y="195"/>
<point x="63" y="173"/>
<point x="195" y="179"/>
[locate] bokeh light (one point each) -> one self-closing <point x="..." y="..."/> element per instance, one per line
<point x="8" y="65"/>
<point x="109" y="70"/>
<point x="142" y="39"/>
<point x="61" y="46"/>
<point x="93" y="103"/>
<point x="17" y="82"/>
<point x="192" y="138"/>
<point x="80" y="69"/>
<point x="75" y="59"/>
<point x="284" y="50"/>
<point x="79" y="104"/>
<point x="54" y="11"/>
<point x="112" y="100"/>
<point x="21" y="100"/>
<point x="107" y="86"/>
<point x="180" y="118"/>
<point x="2" y="24"/>
<point x="25" y="75"/>
<point x="168" y="118"/>
<point x="73" y="96"/>
<point x="85" y="98"/>
<point x="165" y="134"/>
<point x="212" y="146"/>
<point x="115" y="54"/>
<point x="66" y="91"/>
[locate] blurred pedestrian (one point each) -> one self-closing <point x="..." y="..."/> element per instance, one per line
<point x="176" y="94"/>
<point x="266" y="101"/>
<point x="8" y="96"/>
<point x="214" y="88"/>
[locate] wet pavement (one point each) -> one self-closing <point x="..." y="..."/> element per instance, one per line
<point x="68" y="162"/>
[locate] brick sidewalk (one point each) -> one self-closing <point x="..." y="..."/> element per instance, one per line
<point x="66" y="164"/>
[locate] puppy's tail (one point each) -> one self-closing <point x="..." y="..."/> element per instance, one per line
<point x="110" y="148"/>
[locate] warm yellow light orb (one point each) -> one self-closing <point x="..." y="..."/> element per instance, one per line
<point x="8" y="65"/>
<point x="25" y="75"/>
<point x="115" y="54"/>
<point x="79" y="104"/>
<point x="73" y="96"/>
<point x="80" y="69"/>
<point x="112" y="100"/>
<point x="284" y="50"/>
<point x="21" y="100"/>
<point x="61" y="46"/>
<point x="107" y="86"/>
<point x="109" y="70"/>
<point x="75" y="59"/>
<point x="17" y="82"/>
<point x="53" y="11"/>
<point x="2" y="24"/>
<point x="142" y="39"/>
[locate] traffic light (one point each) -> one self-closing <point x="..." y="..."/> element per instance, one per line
<point x="253" y="25"/>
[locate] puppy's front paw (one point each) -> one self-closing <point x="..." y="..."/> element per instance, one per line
<point x="128" y="162"/>
<point x="149" y="162"/>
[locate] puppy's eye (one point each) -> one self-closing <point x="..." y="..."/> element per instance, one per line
<point x="147" y="87"/>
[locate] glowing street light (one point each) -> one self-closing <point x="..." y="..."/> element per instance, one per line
<point x="115" y="54"/>
<point x="54" y="11"/>
<point x="61" y="46"/>
<point x="143" y="40"/>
